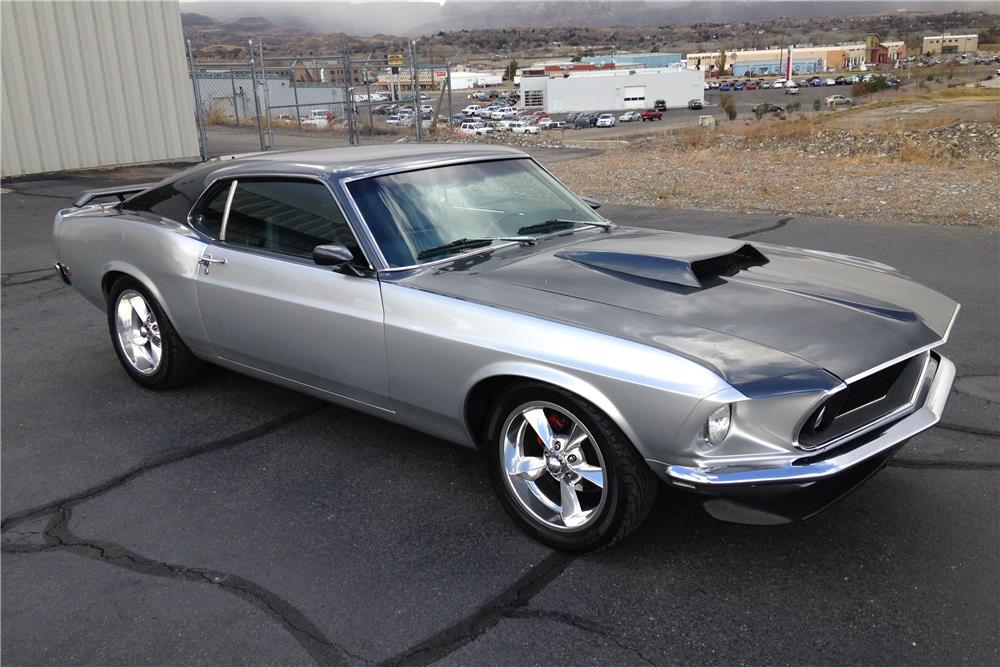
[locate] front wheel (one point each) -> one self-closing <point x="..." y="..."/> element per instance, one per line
<point x="564" y="471"/>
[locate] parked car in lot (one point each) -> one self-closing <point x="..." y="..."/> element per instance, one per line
<point x="589" y="363"/>
<point x="584" y="120"/>
<point x="318" y="118"/>
<point x="767" y="107"/>
<point x="470" y="128"/>
<point x="778" y="84"/>
<point x="472" y="110"/>
<point x="765" y="84"/>
<point x="521" y="127"/>
<point x="651" y="114"/>
<point x="660" y="105"/>
<point x="629" y="117"/>
<point x="838" y="100"/>
<point x="605" y="120"/>
<point x="738" y="85"/>
<point x="830" y="82"/>
<point x="714" y="85"/>
<point x="791" y="89"/>
<point x="695" y="104"/>
<point x="503" y="113"/>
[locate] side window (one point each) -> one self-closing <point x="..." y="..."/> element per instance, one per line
<point x="285" y="216"/>
<point x="208" y="217"/>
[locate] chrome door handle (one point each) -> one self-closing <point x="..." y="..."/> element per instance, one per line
<point x="207" y="260"/>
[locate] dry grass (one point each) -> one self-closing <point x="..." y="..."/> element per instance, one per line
<point x="962" y="93"/>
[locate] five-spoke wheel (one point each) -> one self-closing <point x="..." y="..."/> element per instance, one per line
<point x="145" y="341"/>
<point x="564" y="470"/>
<point x="138" y="332"/>
<point x="552" y="467"/>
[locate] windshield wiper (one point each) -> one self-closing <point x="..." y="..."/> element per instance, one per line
<point x="469" y="244"/>
<point x="558" y="224"/>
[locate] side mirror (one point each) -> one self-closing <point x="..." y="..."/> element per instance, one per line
<point x="336" y="256"/>
<point x="592" y="203"/>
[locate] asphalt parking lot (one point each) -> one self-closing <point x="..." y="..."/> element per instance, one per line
<point x="234" y="522"/>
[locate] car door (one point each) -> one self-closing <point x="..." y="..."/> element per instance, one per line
<point x="266" y="305"/>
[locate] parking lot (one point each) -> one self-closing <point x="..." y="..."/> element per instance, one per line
<point x="235" y="522"/>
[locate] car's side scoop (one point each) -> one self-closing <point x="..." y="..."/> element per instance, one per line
<point x="690" y="266"/>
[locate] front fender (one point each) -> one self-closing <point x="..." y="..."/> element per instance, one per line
<point x="554" y="376"/>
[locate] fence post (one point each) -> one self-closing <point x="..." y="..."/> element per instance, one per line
<point x="417" y="116"/>
<point x="199" y="111"/>
<point x="348" y="95"/>
<point x="450" y="108"/>
<point x="232" y="82"/>
<point x="295" y="92"/>
<point x="368" y="92"/>
<point x="256" y="97"/>
<point x="267" y="96"/>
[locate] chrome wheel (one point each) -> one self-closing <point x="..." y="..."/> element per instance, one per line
<point x="138" y="332"/>
<point x="553" y="466"/>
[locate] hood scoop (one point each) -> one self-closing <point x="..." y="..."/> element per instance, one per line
<point x="686" y="269"/>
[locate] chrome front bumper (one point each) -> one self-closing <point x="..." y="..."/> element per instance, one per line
<point x="809" y="469"/>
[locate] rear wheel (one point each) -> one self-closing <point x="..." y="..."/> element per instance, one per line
<point x="564" y="471"/>
<point x="145" y="341"/>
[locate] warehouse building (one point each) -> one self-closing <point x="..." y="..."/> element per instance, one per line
<point x="943" y="44"/>
<point x="612" y="90"/>
<point x="648" y="60"/>
<point x="94" y="84"/>
<point x="805" y="58"/>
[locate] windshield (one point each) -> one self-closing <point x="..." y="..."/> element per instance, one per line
<point x="414" y="211"/>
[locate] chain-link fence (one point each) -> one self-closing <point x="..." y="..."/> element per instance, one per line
<point x="267" y="103"/>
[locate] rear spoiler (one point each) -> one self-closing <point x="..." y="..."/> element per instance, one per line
<point x="122" y="193"/>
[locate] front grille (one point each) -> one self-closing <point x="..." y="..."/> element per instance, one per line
<point x="872" y="388"/>
<point x="863" y="402"/>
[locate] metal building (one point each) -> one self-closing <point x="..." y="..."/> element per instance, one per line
<point x="94" y="84"/>
<point x="640" y="59"/>
<point x="612" y="90"/>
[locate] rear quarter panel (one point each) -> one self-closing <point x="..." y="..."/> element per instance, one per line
<point x="160" y="253"/>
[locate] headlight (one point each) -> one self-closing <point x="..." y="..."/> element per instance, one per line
<point x="717" y="426"/>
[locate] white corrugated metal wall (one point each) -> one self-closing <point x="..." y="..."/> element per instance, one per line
<point x="92" y="83"/>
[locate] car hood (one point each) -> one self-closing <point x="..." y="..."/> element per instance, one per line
<point x="751" y="312"/>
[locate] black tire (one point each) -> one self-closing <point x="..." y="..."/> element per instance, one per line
<point x="177" y="365"/>
<point x="631" y="486"/>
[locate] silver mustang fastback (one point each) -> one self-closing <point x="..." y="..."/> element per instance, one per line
<point x="465" y="292"/>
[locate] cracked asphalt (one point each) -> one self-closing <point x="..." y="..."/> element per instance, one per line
<point x="234" y="522"/>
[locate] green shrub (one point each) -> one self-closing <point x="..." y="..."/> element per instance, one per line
<point x="817" y="104"/>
